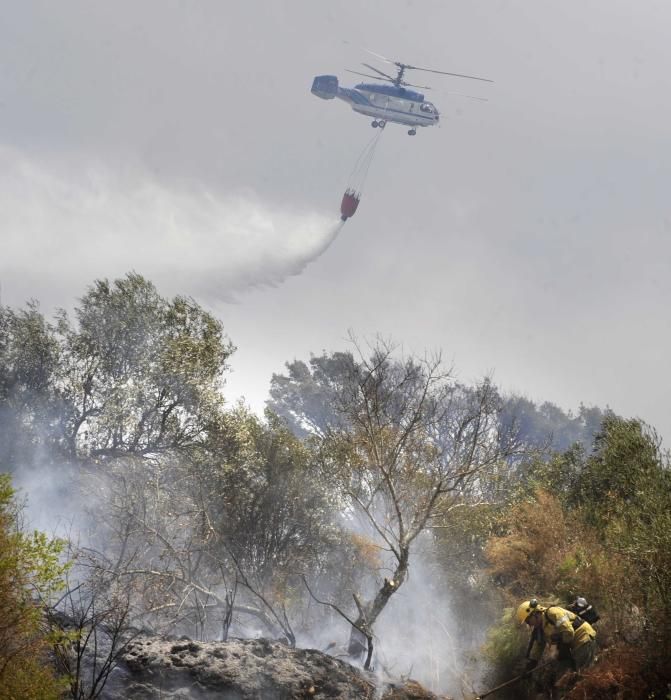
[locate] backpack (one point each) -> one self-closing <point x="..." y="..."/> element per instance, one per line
<point x="584" y="610"/>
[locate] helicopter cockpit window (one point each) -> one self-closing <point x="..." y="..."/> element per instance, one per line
<point x="425" y="108"/>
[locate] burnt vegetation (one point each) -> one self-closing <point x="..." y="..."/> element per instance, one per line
<point x="307" y="525"/>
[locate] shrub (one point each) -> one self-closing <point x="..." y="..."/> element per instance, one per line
<point x="29" y="572"/>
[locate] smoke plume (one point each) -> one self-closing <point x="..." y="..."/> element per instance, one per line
<point x="64" y="225"/>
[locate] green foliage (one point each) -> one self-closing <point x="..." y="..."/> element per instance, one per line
<point x="142" y="373"/>
<point x="625" y="465"/>
<point x="30" y="571"/>
<point x="307" y="396"/>
<point x="31" y="415"/>
<point x="273" y="509"/>
<point x="136" y="374"/>
<point x="642" y="533"/>
<point x="624" y="491"/>
<point x="559" y="474"/>
<point x="461" y="533"/>
<point x="506" y="641"/>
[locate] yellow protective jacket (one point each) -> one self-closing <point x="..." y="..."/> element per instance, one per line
<point x="558" y="628"/>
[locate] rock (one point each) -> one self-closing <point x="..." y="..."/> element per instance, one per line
<point x="252" y="669"/>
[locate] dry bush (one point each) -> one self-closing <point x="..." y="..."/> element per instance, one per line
<point x="554" y="554"/>
<point x="528" y="557"/>
<point x="548" y="552"/>
<point x="623" y="673"/>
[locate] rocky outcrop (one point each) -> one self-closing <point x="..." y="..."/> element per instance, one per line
<point x="254" y="669"/>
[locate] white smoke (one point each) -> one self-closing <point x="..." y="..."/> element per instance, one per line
<point x="52" y="499"/>
<point x="421" y="635"/>
<point x="62" y="226"/>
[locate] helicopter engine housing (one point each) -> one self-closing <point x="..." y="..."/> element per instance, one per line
<point x="325" y="86"/>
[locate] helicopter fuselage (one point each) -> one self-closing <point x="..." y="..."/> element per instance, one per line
<point x="385" y="103"/>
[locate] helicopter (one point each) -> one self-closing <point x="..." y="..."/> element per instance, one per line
<point x="388" y="103"/>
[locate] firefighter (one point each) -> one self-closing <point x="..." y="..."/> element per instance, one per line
<point x="574" y="636"/>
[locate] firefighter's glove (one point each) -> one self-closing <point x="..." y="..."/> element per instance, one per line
<point x="531" y="665"/>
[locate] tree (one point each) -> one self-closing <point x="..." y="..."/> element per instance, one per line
<point x="136" y="374"/>
<point x="406" y="442"/>
<point x="32" y="416"/>
<point x="142" y="374"/>
<point x="548" y="427"/>
<point x="224" y="530"/>
<point x="273" y="512"/>
<point x="306" y="398"/>
<point x="624" y="489"/>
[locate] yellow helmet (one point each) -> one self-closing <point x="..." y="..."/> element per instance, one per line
<point x="528" y="607"/>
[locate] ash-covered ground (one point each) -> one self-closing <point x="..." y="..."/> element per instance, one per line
<point x="254" y="669"/>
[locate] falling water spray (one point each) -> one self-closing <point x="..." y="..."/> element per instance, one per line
<point x="64" y="226"/>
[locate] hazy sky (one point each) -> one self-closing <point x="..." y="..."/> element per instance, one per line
<point x="529" y="236"/>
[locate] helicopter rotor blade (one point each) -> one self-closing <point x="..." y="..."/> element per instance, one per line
<point x="389" y="77"/>
<point x="468" y="97"/>
<point x="366" y="75"/>
<point x="456" y="75"/>
<point x="403" y="83"/>
<point x="404" y="66"/>
<point x="382" y="58"/>
<point x="421" y="87"/>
